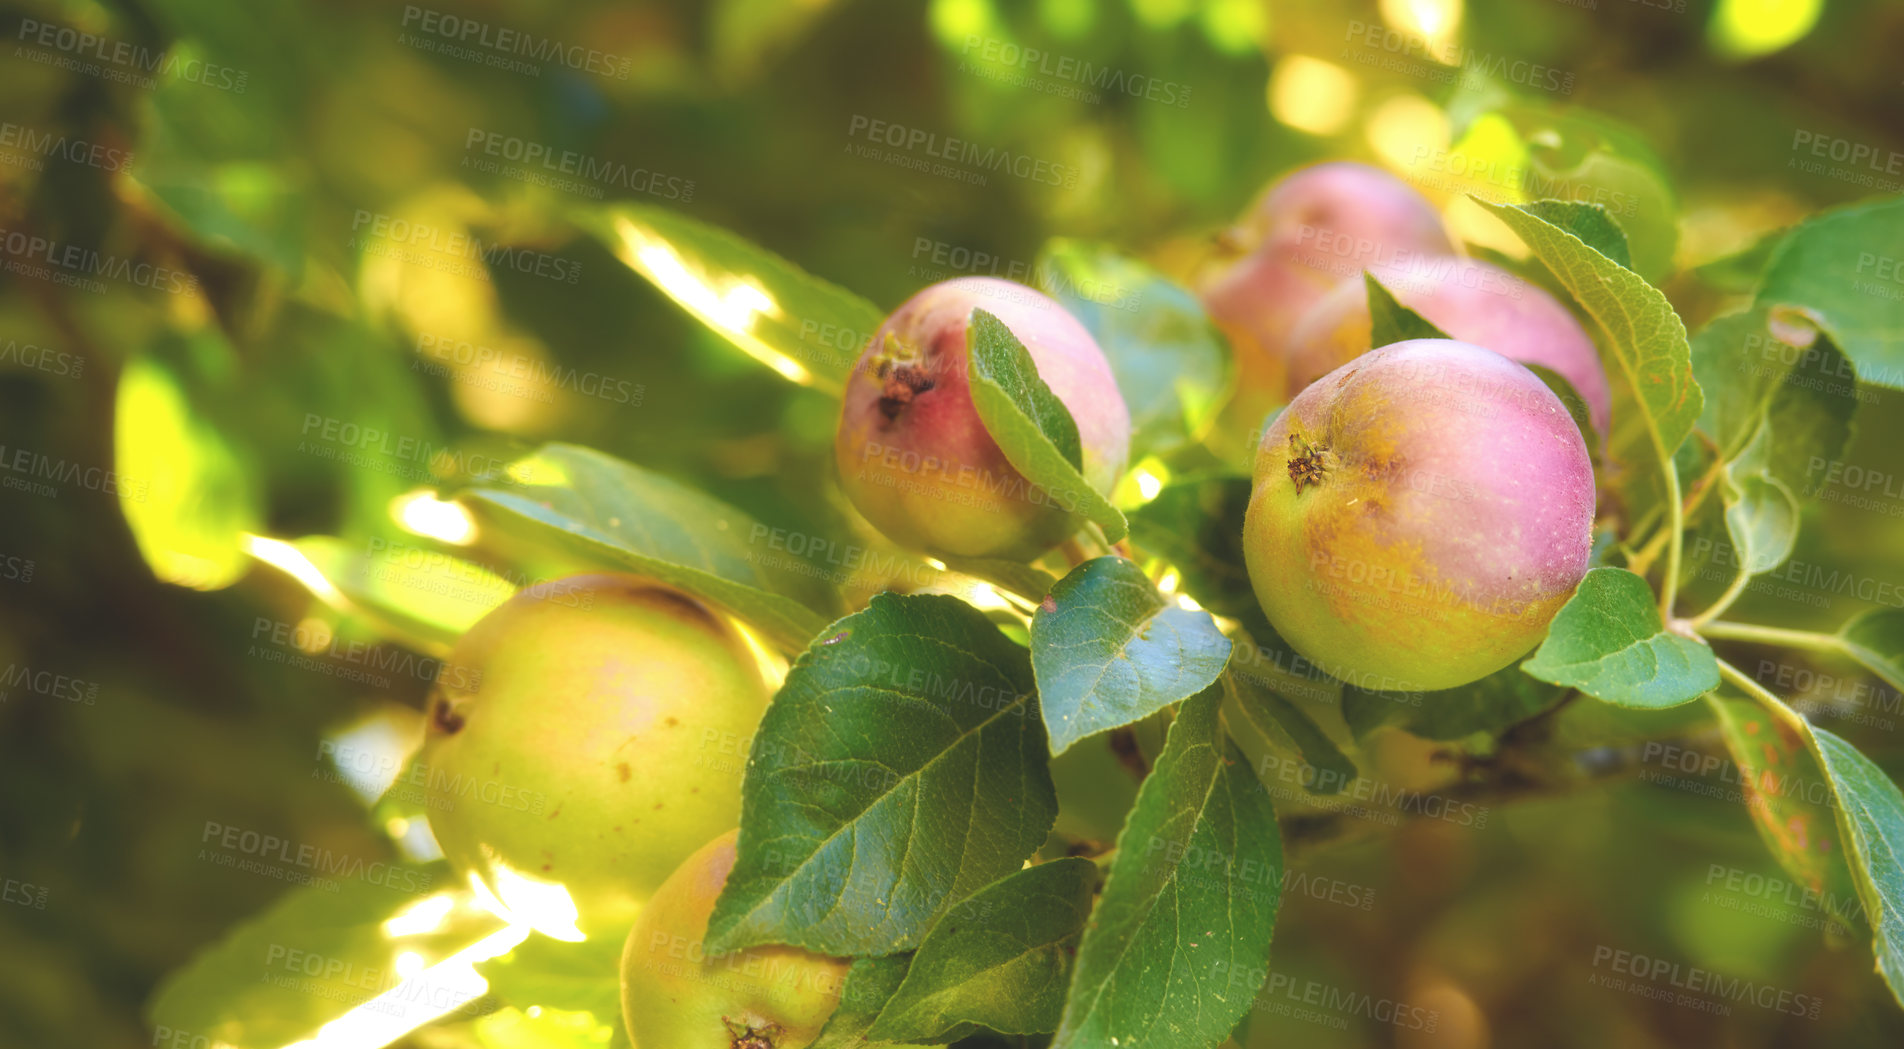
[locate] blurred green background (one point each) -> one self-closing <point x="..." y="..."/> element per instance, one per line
<point x="239" y="298"/>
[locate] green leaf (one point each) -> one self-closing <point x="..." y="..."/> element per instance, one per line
<point x="633" y="518"/>
<point x="1647" y="338"/>
<point x="1179" y="943"/>
<point x="1871" y="819"/>
<point x="1609" y="642"/>
<point x="192" y="488"/>
<point x="1788" y="803"/>
<point x="1491" y="705"/>
<point x="999" y="960"/>
<point x="869" y="985"/>
<point x="1589" y="222"/>
<point x="316" y="954"/>
<point x="1108" y="649"/>
<point x="771" y="309"/>
<point x="1841" y="266"/>
<point x="1032" y="427"/>
<point x="1170" y="363"/>
<point x="1195" y="525"/>
<point x="1001" y="361"/>
<point x="1390" y="321"/>
<point x="1876" y="640"/>
<point x="1285" y="725"/>
<point x="901" y="768"/>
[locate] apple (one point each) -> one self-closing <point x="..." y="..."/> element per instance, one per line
<point x="915" y="458"/>
<point x="677" y="995"/>
<point x="1418" y="515"/>
<point x="1473" y="301"/>
<point x="594" y="734"/>
<point x="1305" y="234"/>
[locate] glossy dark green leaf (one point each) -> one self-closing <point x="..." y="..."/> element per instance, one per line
<point x="1031" y="426"/>
<point x="901" y="768"/>
<point x="1000" y="960"/>
<point x="1179" y="943"/>
<point x="1108" y="649"/>
<point x="869" y="985"/>
<point x="1609" y="642"/>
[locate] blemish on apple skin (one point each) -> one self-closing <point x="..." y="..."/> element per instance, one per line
<point x="621" y="769"/>
<point x="557" y="812"/>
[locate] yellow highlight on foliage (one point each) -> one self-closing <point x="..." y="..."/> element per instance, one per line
<point x="424" y="514"/>
<point x="183" y="488"/>
<point x="1750" y="28"/>
<point x="729" y="304"/>
<point x="426" y="994"/>
<point x="1311" y="95"/>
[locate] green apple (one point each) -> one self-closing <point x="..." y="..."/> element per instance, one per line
<point x="676" y="994"/>
<point x="592" y="734"/>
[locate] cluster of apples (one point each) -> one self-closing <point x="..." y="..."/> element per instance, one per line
<point x="1419" y="513"/>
